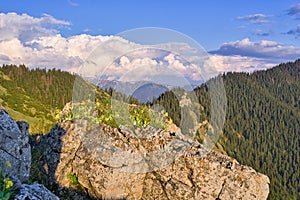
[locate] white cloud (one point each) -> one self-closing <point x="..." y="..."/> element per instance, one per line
<point x="155" y="65"/>
<point x="36" y="42"/>
<point x="124" y="61"/>
<point x="248" y="56"/>
<point x="262" y="33"/>
<point x="255" y="18"/>
<point x="51" y="51"/>
<point x="174" y="62"/>
<point x="187" y="69"/>
<point x="238" y="63"/>
<point x="26" y="28"/>
<point x="262" y="49"/>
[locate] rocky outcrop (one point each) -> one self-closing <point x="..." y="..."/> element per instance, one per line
<point x="15" y="159"/>
<point x="74" y="157"/>
<point x="14" y="146"/>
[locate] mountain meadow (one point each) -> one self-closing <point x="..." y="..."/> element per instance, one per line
<point x="261" y="130"/>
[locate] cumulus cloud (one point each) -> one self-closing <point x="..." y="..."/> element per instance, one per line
<point x="154" y="65"/>
<point x="249" y="56"/>
<point x="26" y="28"/>
<point x="36" y="42"/>
<point x="262" y="49"/>
<point x="239" y="63"/>
<point x="255" y="18"/>
<point x="51" y="51"/>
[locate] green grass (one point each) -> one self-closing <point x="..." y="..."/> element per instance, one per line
<point x="37" y="125"/>
<point x="3" y="90"/>
<point x="22" y="107"/>
<point x="3" y="76"/>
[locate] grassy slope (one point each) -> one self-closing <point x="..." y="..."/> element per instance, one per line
<point x="23" y="108"/>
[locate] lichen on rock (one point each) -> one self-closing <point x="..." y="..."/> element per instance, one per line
<point x="14" y="146"/>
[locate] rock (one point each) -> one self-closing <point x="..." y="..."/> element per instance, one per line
<point x="196" y="173"/>
<point x="14" y="147"/>
<point x="34" y="192"/>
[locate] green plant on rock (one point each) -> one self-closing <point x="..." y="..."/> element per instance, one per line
<point x="58" y="114"/>
<point x="142" y="115"/>
<point x="160" y="118"/>
<point x="75" y="184"/>
<point x="104" y="112"/>
<point x="6" y="184"/>
<point x="139" y="115"/>
<point x="73" y="178"/>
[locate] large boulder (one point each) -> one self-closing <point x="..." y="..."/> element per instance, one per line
<point x="76" y="157"/>
<point x="14" y="147"/>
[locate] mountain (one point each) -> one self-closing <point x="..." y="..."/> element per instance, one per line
<point x="148" y="91"/>
<point x="262" y="127"/>
<point x="143" y="91"/>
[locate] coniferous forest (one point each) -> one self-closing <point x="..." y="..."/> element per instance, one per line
<point x="262" y="127"/>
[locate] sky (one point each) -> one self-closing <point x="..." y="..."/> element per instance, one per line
<point x="240" y="35"/>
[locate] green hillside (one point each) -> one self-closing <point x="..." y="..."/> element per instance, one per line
<point x="34" y="95"/>
<point x="264" y="109"/>
<point x="262" y="127"/>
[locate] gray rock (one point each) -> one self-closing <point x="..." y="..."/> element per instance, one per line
<point x="34" y="192"/>
<point x="14" y="147"/>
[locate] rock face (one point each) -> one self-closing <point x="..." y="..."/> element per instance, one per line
<point x="71" y="159"/>
<point x="14" y="146"/>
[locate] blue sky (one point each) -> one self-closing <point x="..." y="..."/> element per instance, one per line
<point x="243" y="35"/>
<point x="211" y="23"/>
